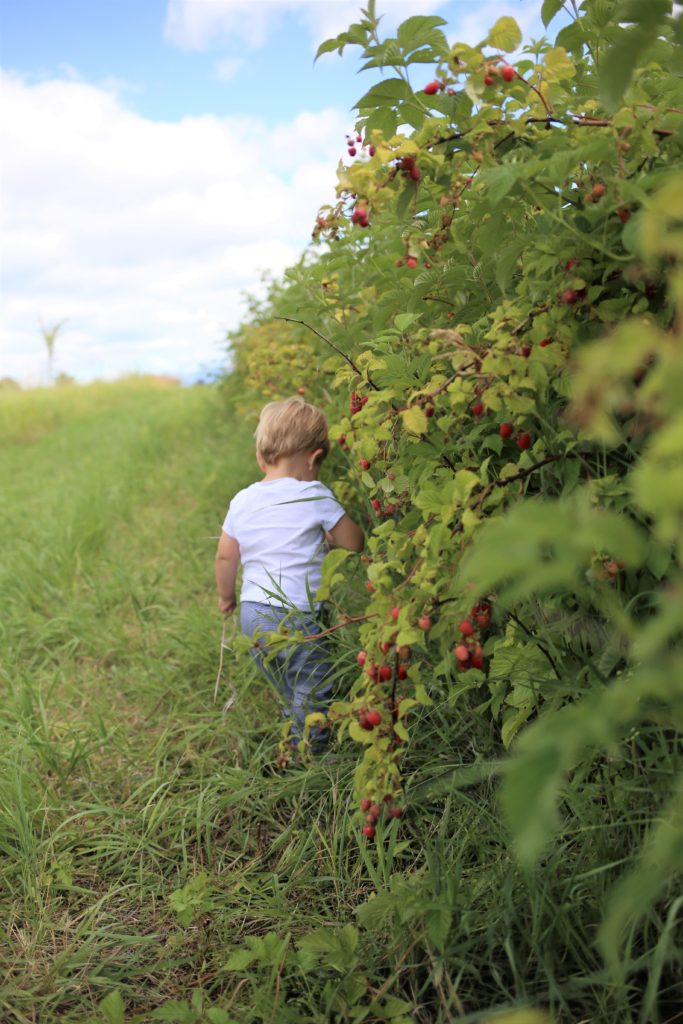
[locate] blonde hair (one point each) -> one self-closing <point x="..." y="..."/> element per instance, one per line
<point x="289" y="427"/>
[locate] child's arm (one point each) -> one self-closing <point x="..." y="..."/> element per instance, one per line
<point x="227" y="561"/>
<point x="346" y="534"/>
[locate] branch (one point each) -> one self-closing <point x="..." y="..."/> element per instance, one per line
<point x="292" y="320"/>
<point x="522" y="475"/>
<point x="538" y="644"/>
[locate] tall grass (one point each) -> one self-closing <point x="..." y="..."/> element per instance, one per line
<point x="151" y="863"/>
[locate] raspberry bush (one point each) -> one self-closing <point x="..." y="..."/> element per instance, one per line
<point x="491" y="316"/>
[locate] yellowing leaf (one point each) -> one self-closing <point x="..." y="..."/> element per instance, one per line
<point x="414" y="420"/>
<point x="558" y="65"/>
<point x="505" y="35"/>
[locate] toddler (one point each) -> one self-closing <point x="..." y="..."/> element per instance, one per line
<point x="279" y="529"/>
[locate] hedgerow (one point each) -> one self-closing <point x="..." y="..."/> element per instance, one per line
<point x="491" y="317"/>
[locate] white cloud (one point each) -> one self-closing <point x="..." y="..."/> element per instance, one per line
<point x="142" y="233"/>
<point x="194" y="24"/>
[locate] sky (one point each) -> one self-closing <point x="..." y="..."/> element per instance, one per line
<point x="159" y="157"/>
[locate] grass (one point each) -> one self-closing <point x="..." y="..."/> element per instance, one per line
<point x="150" y="865"/>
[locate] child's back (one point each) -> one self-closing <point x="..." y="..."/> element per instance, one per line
<point x="279" y="529"/>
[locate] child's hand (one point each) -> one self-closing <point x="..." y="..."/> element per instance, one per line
<point x="227" y="605"/>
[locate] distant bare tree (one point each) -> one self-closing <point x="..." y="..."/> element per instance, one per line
<point x="49" y="337"/>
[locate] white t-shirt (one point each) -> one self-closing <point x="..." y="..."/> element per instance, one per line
<point x="279" y="526"/>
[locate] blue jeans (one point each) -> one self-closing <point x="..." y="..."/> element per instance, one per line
<point x="300" y="673"/>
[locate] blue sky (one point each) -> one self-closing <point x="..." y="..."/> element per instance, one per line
<point x="160" y="155"/>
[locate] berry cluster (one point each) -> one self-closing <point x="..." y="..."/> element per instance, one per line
<point x="408" y="168"/>
<point x="372" y="812"/>
<point x="360" y="216"/>
<point x="469" y="653"/>
<point x="506" y="72"/>
<point x="523" y="440"/>
<point x="356" y="402"/>
<point x="595" y="194"/>
<point x="352" y="144"/>
<point x="378" y="674"/>
<point x="352" y="141"/>
<point x="388" y="510"/>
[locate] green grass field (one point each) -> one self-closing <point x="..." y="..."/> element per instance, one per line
<point x="152" y="868"/>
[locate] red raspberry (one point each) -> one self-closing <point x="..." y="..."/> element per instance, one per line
<point x="505" y="430"/>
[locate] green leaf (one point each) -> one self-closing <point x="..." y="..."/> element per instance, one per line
<point x="385" y="94"/>
<point x="217" y="1016"/>
<point x="499" y="181"/>
<point x="174" y="1011"/>
<point x="112" y="1008"/>
<point x="331" y="44"/>
<point x="404" y="320"/>
<point x="618" y="65"/>
<point x="422" y="31"/>
<point x="549" y="9"/>
<point x="505" y="35"/>
<point x="240" y="960"/>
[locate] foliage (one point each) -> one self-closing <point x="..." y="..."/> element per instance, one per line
<point x="493" y="324"/>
